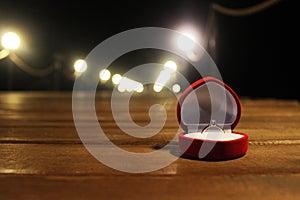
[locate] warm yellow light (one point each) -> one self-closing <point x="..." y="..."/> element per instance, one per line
<point x="170" y="65"/>
<point x="140" y="89"/>
<point x="121" y="88"/>
<point x="116" y="79"/>
<point x="176" y="88"/>
<point x="165" y="75"/>
<point x="104" y="74"/>
<point x="10" y="41"/>
<point x="157" y="87"/>
<point x="80" y="65"/>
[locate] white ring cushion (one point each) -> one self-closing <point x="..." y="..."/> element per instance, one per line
<point x="214" y="136"/>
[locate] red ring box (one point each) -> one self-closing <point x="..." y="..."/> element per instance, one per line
<point x="208" y="111"/>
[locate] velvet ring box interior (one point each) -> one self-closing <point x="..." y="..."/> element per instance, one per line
<point x="208" y="111"/>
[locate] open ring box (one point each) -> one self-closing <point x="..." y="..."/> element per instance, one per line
<point x="208" y="111"/>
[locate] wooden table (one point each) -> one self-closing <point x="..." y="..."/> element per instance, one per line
<point x="42" y="156"/>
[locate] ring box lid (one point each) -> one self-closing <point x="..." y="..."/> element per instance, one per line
<point x="205" y="100"/>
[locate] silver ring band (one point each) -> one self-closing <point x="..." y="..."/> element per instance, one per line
<point x="212" y="124"/>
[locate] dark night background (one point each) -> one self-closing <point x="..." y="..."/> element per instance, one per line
<point x="249" y="49"/>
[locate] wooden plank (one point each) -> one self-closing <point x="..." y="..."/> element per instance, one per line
<point x="153" y="187"/>
<point x="62" y="134"/>
<point x="34" y="116"/>
<point x="74" y="159"/>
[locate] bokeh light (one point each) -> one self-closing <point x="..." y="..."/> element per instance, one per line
<point x="116" y="78"/>
<point x="165" y="75"/>
<point x="176" y="88"/>
<point x="129" y="85"/>
<point x="10" y="41"/>
<point x="157" y="87"/>
<point x="140" y="89"/>
<point x="170" y="64"/>
<point x="187" y="41"/>
<point x="80" y="65"/>
<point x="104" y="75"/>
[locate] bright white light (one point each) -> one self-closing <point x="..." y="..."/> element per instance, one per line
<point x="80" y="66"/>
<point x="121" y="88"/>
<point x="163" y="78"/>
<point x="140" y="89"/>
<point x="104" y="75"/>
<point x="157" y="87"/>
<point x="130" y="85"/>
<point x="116" y="79"/>
<point x="10" y="40"/>
<point x="164" y="75"/>
<point x="187" y="41"/>
<point x="171" y="65"/>
<point x="176" y="88"/>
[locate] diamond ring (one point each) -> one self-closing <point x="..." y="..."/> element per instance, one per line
<point x="212" y="125"/>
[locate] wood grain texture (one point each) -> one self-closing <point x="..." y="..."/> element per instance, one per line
<point x="42" y="156"/>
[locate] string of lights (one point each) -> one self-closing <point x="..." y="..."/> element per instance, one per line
<point x="11" y="42"/>
<point x="28" y="69"/>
